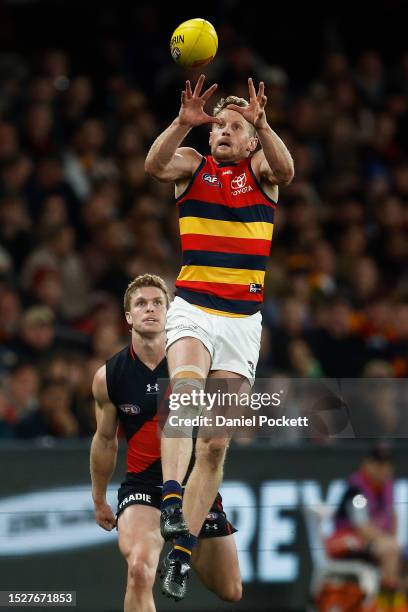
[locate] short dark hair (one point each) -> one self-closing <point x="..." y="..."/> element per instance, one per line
<point x="145" y="280"/>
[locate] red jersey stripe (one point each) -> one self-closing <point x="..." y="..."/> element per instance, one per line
<point x="222" y="244"/>
<point x="144" y="447"/>
<point x="228" y="291"/>
<point x="217" y="198"/>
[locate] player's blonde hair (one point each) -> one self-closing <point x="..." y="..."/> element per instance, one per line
<point x="224" y="102"/>
<point x="145" y="280"/>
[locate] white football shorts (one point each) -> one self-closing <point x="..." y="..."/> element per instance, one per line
<point x="233" y="342"/>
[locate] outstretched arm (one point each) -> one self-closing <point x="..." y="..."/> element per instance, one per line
<point x="104" y="450"/>
<point x="165" y="160"/>
<point x="274" y="162"/>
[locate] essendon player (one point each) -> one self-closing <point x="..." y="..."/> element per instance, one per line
<point x="226" y="204"/>
<point x="125" y="390"/>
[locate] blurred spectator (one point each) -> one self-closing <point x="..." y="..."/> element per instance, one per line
<point x="9" y="144"/>
<point x="84" y="161"/>
<point x="377" y="407"/>
<point x="290" y="327"/>
<point x="53" y="416"/>
<point x="340" y="352"/>
<point x="57" y="253"/>
<point x="107" y="341"/>
<point x="15" y="229"/>
<point x="37" y="335"/>
<point x="10" y="314"/>
<point x="19" y="396"/>
<point x="302" y="362"/>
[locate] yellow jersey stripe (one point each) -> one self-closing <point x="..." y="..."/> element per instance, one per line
<point x="222" y="313"/>
<point x="259" y="230"/>
<point x="209" y="274"/>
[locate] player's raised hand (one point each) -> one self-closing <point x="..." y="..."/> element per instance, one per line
<point x="104" y="516"/>
<point x="192" y="104"/>
<point x="255" y="112"/>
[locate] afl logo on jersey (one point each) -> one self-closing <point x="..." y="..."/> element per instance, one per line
<point x="130" y="408"/>
<point x="212" y="180"/>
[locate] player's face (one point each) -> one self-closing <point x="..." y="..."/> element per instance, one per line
<point x="147" y="314"/>
<point x="232" y="139"/>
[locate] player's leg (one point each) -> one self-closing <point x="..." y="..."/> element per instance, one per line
<point x="237" y="345"/>
<point x="200" y="492"/>
<point x="388" y="554"/>
<point x="206" y="476"/>
<point x="140" y="543"/>
<point x="216" y="562"/>
<point x="188" y="362"/>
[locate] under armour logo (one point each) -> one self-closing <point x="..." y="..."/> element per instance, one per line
<point x="209" y="527"/>
<point x="152" y="388"/>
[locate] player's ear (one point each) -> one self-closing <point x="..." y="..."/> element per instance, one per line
<point x="128" y="318"/>
<point x="252" y="144"/>
<point x="210" y="138"/>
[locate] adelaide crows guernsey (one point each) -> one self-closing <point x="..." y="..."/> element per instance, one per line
<point x="134" y="389"/>
<point x="226" y="226"/>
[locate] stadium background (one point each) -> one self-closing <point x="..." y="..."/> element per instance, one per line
<point x="84" y="89"/>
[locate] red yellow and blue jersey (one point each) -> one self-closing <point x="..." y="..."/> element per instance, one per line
<point x="226" y="226"/>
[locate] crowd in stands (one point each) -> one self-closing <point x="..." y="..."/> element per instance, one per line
<point x="79" y="219"/>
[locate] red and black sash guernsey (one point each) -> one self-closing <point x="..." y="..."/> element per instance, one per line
<point x="135" y="391"/>
<point x="226" y="226"/>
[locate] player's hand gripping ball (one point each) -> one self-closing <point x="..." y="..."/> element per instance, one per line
<point x="194" y="43"/>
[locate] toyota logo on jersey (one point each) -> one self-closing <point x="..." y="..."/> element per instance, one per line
<point x="239" y="186"/>
<point x="239" y="181"/>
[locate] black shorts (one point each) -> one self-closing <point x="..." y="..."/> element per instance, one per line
<point x="131" y="492"/>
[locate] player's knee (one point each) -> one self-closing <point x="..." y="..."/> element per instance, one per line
<point x="212" y="451"/>
<point x="141" y="572"/>
<point x="188" y="382"/>
<point x="231" y="592"/>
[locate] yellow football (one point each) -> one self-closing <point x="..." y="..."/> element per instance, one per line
<point x="194" y="43"/>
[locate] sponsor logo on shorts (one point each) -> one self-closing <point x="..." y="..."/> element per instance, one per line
<point x="186" y="324"/>
<point x="212" y="180"/>
<point x="130" y="408"/>
<point x="135" y="497"/>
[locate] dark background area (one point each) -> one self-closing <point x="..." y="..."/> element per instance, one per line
<point x="292" y="34"/>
